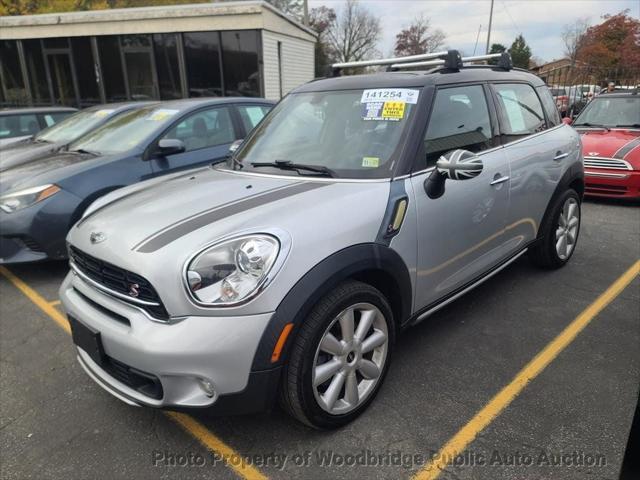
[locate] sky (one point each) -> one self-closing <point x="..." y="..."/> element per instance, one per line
<point x="540" y="21"/>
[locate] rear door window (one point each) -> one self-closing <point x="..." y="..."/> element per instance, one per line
<point x="459" y="120"/>
<point x="251" y="115"/>
<point x="519" y="110"/>
<point x="12" y="126"/>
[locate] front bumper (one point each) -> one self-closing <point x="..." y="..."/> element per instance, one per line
<point x="179" y="354"/>
<point x="612" y="183"/>
<point x="37" y="232"/>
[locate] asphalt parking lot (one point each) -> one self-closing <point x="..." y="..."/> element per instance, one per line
<point x="572" y="419"/>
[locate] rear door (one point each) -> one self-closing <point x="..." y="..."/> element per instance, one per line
<point x="460" y="233"/>
<point x="206" y="134"/>
<point x="538" y="149"/>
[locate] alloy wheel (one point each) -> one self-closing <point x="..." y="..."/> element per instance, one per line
<point x="350" y="358"/>
<point x="567" y="229"/>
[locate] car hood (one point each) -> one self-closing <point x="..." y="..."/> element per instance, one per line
<point x="46" y="170"/>
<point x="616" y="143"/>
<point x="25" y="151"/>
<point x="153" y="228"/>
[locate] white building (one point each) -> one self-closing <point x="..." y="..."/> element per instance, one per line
<point x="244" y="48"/>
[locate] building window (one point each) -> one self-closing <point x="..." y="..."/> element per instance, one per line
<point x="166" y="54"/>
<point x="111" y="67"/>
<point x="202" y="59"/>
<point x="37" y="72"/>
<point x="85" y="66"/>
<point x="139" y="62"/>
<point x="240" y="63"/>
<point x="14" y="91"/>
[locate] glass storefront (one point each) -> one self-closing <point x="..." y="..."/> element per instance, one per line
<point x="84" y="71"/>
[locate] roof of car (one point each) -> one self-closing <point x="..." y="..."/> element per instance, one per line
<point x="420" y="79"/>
<point x="618" y="94"/>
<point x="27" y="110"/>
<point x="189" y="103"/>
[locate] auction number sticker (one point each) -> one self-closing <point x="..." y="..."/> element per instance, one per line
<point x="393" y="111"/>
<point x="161" y="114"/>
<point x="407" y="95"/>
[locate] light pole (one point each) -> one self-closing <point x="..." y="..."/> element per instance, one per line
<point x="489" y="30"/>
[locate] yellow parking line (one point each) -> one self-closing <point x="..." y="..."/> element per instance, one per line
<point x="461" y="440"/>
<point x="190" y="425"/>
<point x="55" y="303"/>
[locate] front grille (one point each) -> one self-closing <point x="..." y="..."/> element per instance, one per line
<point x="611" y="163"/>
<point x="119" y="280"/>
<point x="143" y="382"/>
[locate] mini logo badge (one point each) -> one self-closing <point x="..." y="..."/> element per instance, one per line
<point x="97" y="237"/>
<point x="593" y="154"/>
<point x="134" y="290"/>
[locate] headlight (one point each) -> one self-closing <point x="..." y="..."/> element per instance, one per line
<point x="25" y="198"/>
<point x="231" y="271"/>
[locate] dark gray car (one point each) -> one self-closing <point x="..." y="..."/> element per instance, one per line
<point x="59" y="135"/>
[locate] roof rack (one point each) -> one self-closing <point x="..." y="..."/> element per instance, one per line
<point x="450" y="60"/>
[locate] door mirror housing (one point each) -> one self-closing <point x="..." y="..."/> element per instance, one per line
<point x="170" y="146"/>
<point x="459" y="165"/>
<point x="234" y="146"/>
<point x="567" y="120"/>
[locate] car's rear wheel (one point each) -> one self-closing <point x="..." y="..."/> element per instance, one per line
<point x="559" y="233"/>
<point x="340" y="357"/>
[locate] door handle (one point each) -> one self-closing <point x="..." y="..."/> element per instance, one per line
<point x="560" y="156"/>
<point x="497" y="181"/>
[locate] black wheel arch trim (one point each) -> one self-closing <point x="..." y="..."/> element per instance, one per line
<point x="575" y="173"/>
<point x="321" y="279"/>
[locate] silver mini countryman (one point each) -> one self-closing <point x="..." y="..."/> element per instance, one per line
<point x="357" y="207"/>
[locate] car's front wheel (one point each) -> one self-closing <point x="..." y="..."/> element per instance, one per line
<point x="339" y="357"/>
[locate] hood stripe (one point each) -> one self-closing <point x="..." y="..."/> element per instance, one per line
<point x="206" y="218"/>
<point x="626" y="148"/>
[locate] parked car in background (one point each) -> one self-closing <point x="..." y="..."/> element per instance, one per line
<point x="40" y="201"/>
<point x="610" y="130"/>
<point x="19" y="123"/>
<point x="357" y="208"/>
<point x="561" y="97"/>
<point x="59" y="135"/>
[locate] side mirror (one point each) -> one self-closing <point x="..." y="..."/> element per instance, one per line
<point x="459" y="165"/>
<point x="170" y="146"/>
<point x="567" y="120"/>
<point x="453" y="165"/>
<point x="234" y="146"/>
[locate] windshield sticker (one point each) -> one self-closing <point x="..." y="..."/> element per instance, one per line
<point x="370" y="162"/>
<point x="383" y="94"/>
<point x="161" y="114"/>
<point x="102" y="113"/>
<point x="393" y="111"/>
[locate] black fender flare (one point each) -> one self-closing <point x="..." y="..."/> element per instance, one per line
<point x="573" y="175"/>
<point x="321" y="279"/>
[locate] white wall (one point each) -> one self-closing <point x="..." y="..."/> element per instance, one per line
<point x="297" y="63"/>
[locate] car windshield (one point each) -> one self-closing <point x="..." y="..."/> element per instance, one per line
<point x="611" y="112"/>
<point x="348" y="134"/>
<point x="125" y="131"/>
<point x="558" y="91"/>
<point x="73" y="126"/>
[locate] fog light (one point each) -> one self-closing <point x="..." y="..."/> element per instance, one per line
<point x="207" y="387"/>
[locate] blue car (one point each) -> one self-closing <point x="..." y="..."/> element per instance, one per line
<point x="58" y="136"/>
<point x="40" y="201"/>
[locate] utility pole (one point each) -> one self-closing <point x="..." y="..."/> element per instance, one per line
<point x="305" y="14"/>
<point x="489" y="30"/>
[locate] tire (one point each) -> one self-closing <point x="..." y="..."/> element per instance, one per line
<point x="548" y="252"/>
<point x="312" y="404"/>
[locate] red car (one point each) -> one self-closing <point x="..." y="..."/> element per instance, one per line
<point x="610" y="129"/>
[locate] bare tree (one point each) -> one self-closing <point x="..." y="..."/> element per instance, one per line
<point x="419" y="38"/>
<point x="293" y="8"/>
<point x="320" y="19"/>
<point x="354" y="33"/>
<point x="573" y="36"/>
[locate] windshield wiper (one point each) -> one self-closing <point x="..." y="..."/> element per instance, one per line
<point x="593" y="125"/>
<point x="289" y="165"/>
<point x="90" y="152"/>
<point x="632" y="125"/>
